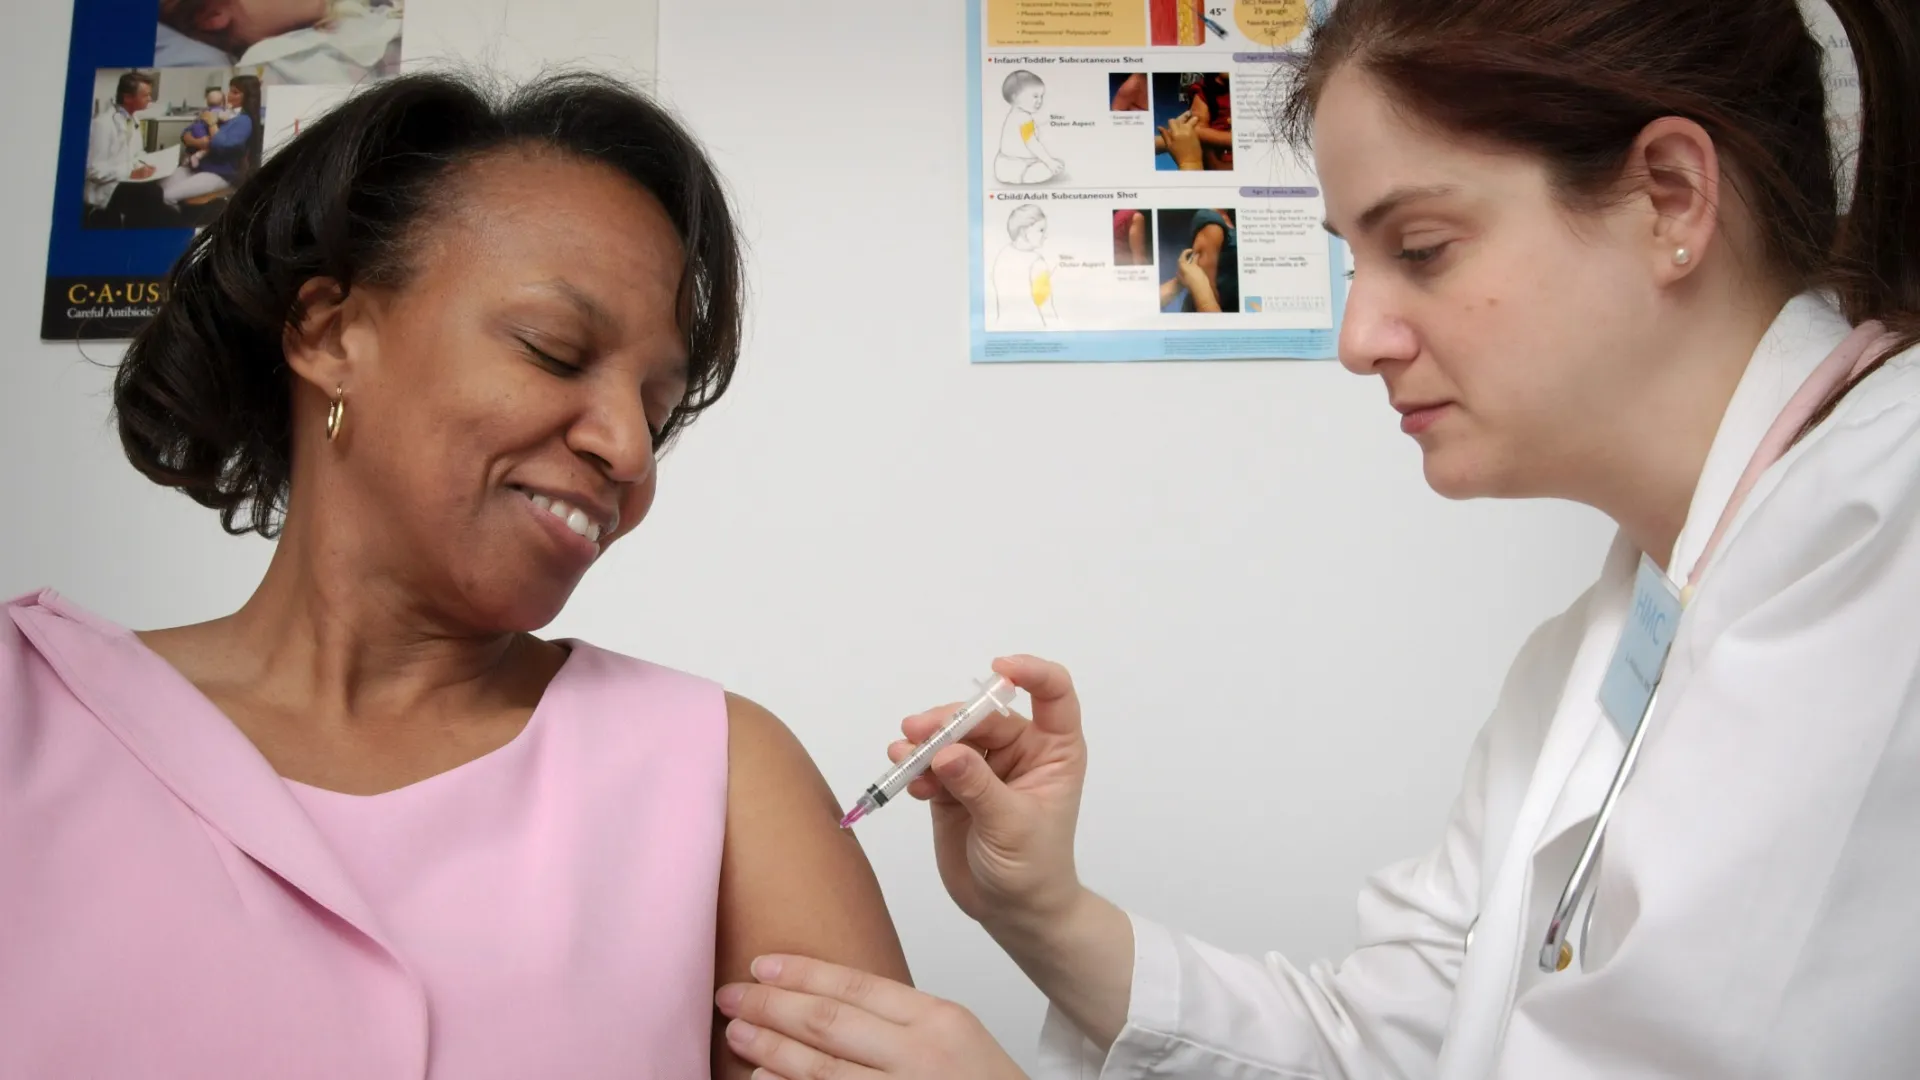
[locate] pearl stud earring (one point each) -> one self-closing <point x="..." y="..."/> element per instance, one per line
<point x="1682" y="257"/>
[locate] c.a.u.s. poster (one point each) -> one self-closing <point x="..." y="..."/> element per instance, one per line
<point x="165" y="112"/>
<point x="1130" y="200"/>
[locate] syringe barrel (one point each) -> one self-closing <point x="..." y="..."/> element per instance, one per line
<point x="995" y="696"/>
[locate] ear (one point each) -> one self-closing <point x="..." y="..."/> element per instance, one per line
<point x="1679" y="168"/>
<point x="332" y="341"/>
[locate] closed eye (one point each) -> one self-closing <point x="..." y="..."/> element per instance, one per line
<point x="548" y="360"/>
<point x="1421" y="256"/>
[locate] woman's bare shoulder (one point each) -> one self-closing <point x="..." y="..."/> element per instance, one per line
<point x="791" y="879"/>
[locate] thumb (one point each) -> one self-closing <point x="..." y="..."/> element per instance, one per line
<point x="970" y="780"/>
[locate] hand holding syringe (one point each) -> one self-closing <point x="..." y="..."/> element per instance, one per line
<point x="996" y="695"/>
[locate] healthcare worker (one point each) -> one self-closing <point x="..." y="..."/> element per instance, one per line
<point x="1600" y="256"/>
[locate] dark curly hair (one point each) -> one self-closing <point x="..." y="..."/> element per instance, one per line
<point x="204" y="397"/>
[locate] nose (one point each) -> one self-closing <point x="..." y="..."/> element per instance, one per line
<point x="613" y="434"/>
<point x="1372" y="334"/>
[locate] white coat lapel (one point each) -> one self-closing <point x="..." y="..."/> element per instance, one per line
<point x="1498" y="963"/>
<point x="1806" y="330"/>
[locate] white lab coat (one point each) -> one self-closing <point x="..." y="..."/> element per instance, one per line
<point x="113" y="152"/>
<point x="1757" y="907"/>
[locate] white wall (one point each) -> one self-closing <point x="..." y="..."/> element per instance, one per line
<point x="1285" y="642"/>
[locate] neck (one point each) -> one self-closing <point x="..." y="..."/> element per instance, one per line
<point x="324" y="631"/>
<point x="1648" y="463"/>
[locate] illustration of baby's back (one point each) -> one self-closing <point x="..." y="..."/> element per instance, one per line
<point x="1016" y="133"/>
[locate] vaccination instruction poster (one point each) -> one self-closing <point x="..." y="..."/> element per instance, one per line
<point x="1129" y="197"/>
<point x="164" y="113"/>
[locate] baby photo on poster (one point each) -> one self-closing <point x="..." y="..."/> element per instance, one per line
<point x="305" y="42"/>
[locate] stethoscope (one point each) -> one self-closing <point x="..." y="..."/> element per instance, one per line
<point x="1847" y="361"/>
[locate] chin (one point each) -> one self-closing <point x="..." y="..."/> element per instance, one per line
<point x="534" y="613"/>
<point x="511" y="603"/>
<point x="1455" y="475"/>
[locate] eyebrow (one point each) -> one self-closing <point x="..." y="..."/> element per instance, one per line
<point x="587" y="306"/>
<point x="1394" y="200"/>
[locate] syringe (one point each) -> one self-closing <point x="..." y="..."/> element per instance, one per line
<point x="996" y="695"/>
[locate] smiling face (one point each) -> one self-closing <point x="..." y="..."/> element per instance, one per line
<point x="502" y="403"/>
<point x="1502" y="322"/>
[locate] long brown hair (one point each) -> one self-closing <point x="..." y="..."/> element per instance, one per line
<point x="250" y="104"/>
<point x="1574" y="82"/>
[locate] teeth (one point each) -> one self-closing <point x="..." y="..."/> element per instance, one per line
<point x="572" y="517"/>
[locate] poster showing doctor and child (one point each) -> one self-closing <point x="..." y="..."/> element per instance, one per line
<point x="1130" y="200"/>
<point x="165" y="112"/>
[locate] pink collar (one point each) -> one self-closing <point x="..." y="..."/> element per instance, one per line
<point x="1847" y="361"/>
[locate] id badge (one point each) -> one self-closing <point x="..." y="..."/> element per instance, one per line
<point x="1652" y="620"/>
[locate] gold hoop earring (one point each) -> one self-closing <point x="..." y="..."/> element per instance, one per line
<point x="336" y="413"/>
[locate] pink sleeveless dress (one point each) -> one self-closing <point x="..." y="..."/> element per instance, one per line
<point x="170" y="907"/>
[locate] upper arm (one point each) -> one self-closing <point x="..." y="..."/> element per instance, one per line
<point x="791" y="880"/>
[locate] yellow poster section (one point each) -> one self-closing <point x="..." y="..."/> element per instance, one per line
<point x="1088" y="24"/>
<point x="1271" y="22"/>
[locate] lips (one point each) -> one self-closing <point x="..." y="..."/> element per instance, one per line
<point x="576" y="512"/>
<point x="1418" y="417"/>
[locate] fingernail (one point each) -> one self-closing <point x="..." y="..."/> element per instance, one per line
<point x="767" y="967"/>
<point x="741" y="1033"/>
<point x="729" y="998"/>
<point x="952" y="766"/>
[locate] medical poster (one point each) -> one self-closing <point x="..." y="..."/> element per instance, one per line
<point x="1129" y="197"/>
<point x="164" y="113"/>
<point x="169" y="103"/>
